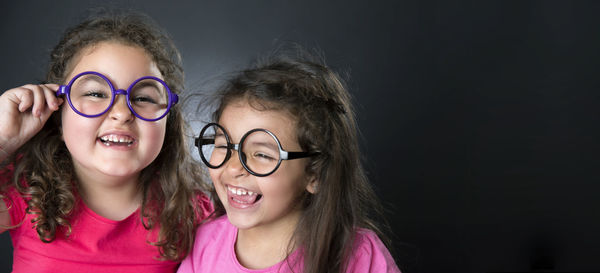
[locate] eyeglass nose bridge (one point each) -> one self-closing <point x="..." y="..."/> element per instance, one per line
<point x="120" y="92"/>
<point x="236" y="147"/>
<point x="241" y="156"/>
<point x="114" y="99"/>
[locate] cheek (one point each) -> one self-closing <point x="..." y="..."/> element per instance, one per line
<point x="64" y="117"/>
<point x="73" y="126"/>
<point x="288" y="184"/>
<point x="294" y="173"/>
<point x="214" y="175"/>
<point x="155" y="134"/>
<point x="215" y="178"/>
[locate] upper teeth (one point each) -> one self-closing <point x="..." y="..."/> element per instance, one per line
<point x="116" y="138"/>
<point x="239" y="191"/>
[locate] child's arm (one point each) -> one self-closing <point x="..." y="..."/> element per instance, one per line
<point x="23" y="112"/>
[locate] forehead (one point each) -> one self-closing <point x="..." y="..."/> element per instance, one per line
<point x="239" y="117"/>
<point x="115" y="60"/>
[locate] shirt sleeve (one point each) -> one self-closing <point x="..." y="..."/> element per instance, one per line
<point x="370" y="255"/>
<point x="186" y="265"/>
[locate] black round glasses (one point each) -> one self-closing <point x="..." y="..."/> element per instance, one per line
<point x="259" y="150"/>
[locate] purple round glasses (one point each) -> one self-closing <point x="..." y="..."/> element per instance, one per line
<point x="91" y="94"/>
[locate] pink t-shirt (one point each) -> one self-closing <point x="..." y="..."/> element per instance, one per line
<point x="214" y="251"/>
<point x="96" y="244"/>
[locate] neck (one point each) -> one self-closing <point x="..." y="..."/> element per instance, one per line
<point x="264" y="246"/>
<point x="112" y="197"/>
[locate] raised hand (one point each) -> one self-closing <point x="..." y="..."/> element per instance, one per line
<point x="23" y="112"/>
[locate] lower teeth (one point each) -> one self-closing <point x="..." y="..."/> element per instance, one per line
<point x="108" y="143"/>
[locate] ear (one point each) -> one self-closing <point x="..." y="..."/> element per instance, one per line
<point x="311" y="186"/>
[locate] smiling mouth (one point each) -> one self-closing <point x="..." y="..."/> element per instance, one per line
<point x="117" y="140"/>
<point x="243" y="196"/>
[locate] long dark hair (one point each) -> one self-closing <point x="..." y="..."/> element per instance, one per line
<point x="301" y="84"/>
<point x="171" y="184"/>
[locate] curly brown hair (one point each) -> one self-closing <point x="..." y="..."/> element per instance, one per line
<point x="298" y="82"/>
<point x="171" y="184"/>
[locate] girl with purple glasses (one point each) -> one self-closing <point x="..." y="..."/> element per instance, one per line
<point x="96" y="174"/>
<point x="283" y="156"/>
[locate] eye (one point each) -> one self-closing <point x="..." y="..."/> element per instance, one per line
<point x="96" y="94"/>
<point x="220" y="142"/>
<point x="263" y="156"/>
<point x="148" y="91"/>
<point x="221" y="146"/>
<point x="143" y="99"/>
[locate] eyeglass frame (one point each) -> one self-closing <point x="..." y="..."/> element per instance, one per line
<point x="66" y="90"/>
<point x="283" y="154"/>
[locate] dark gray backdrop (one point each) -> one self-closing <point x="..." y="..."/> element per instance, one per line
<point x="479" y="120"/>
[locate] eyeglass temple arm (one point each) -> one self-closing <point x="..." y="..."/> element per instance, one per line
<point x="293" y="155"/>
<point x="62" y="90"/>
<point x="203" y="141"/>
<point x="210" y="141"/>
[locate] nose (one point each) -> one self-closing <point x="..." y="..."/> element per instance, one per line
<point x="119" y="110"/>
<point x="234" y="166"/>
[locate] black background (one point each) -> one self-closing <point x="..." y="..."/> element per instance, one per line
<point x="478" y="119"/>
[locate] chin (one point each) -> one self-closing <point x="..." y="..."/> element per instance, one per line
<point x="241" y="225"/>
<point x="119" y="171"/>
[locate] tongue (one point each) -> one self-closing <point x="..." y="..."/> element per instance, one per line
<point x="119" y="143"/>
<point x="245" y="199"/>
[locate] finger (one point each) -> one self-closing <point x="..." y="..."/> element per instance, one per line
<point x="24" y="98"/>
<point x="52" y="86"/>
<point x="50" y="94"/>
<point x="39" y="100"/>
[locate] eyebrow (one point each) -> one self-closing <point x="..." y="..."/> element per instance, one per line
<point x="152" y="83"/>
<point x="87" y="78"/>
<point x="265" y="144"/>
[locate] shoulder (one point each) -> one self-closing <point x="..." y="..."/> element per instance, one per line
<point x="214" y="232"/>
<point x="215" y="227"/>
<point x="213" y="247"/>
<point x="369" y="254"/>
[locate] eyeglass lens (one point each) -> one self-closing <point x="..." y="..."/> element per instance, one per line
<point x="92" y="95"/>
<point x="260" y="150"/>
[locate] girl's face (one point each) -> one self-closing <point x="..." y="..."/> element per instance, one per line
<point x="133" y="143"/>
<point x="275" y="204"/>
